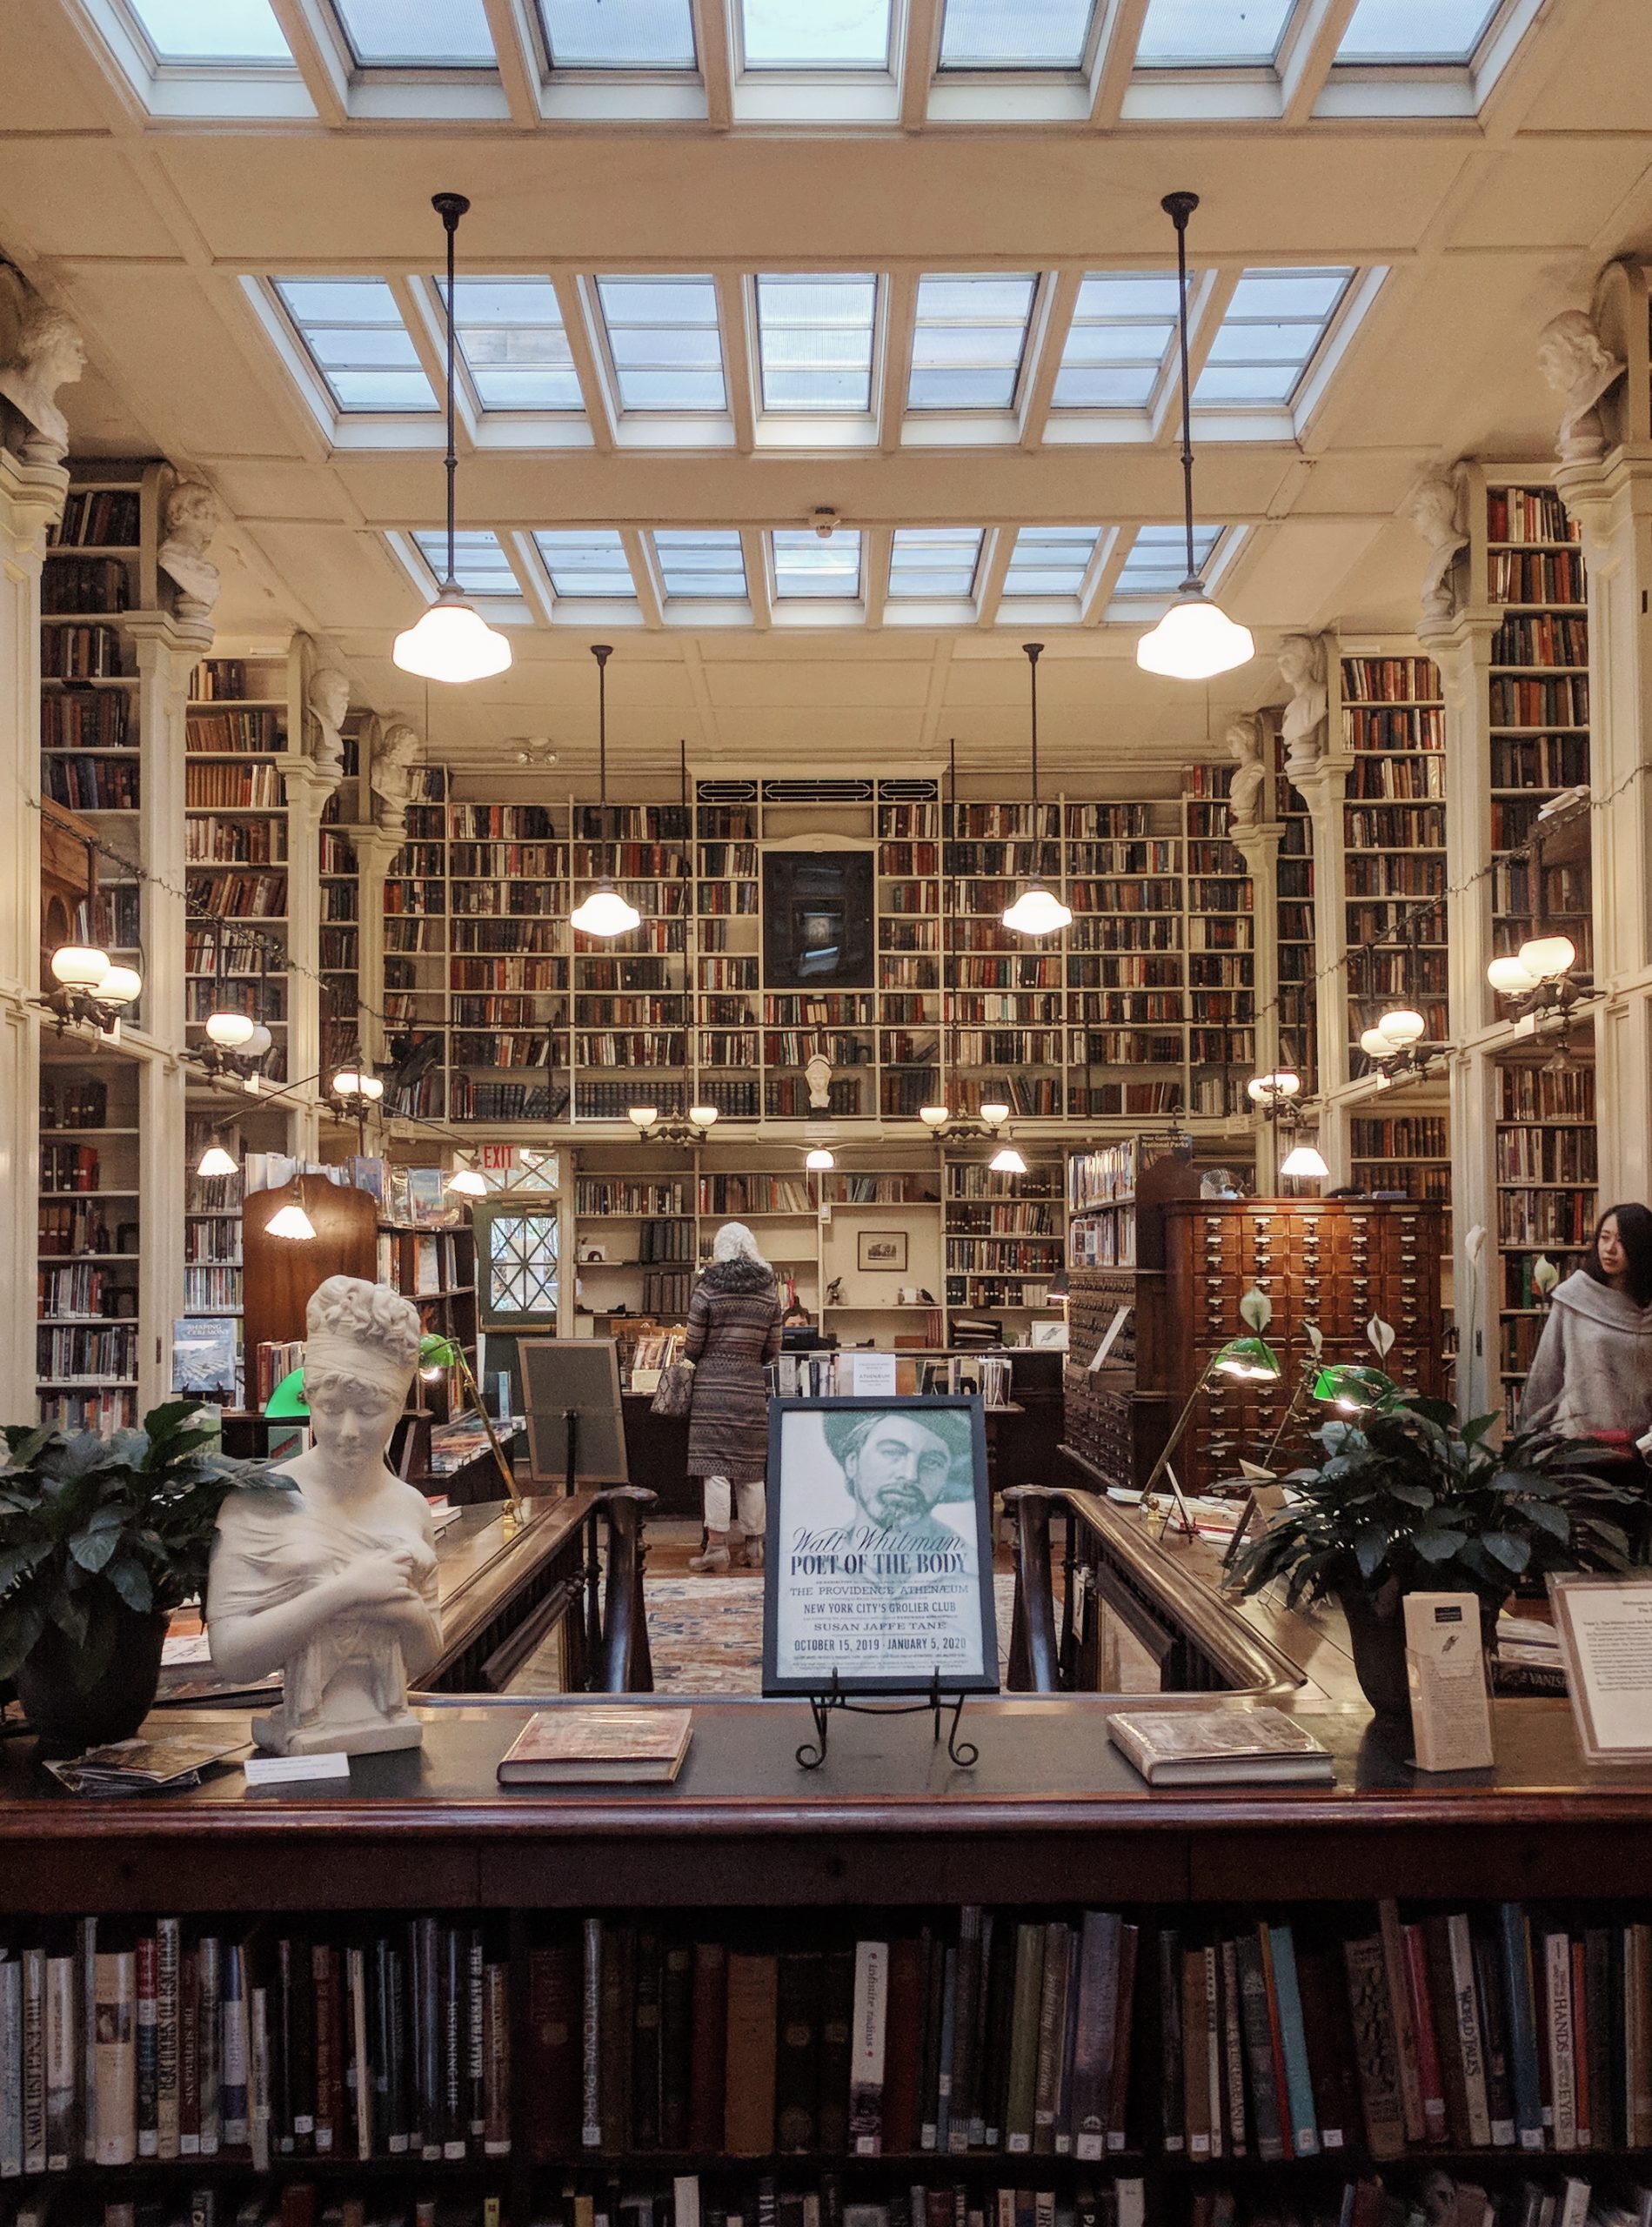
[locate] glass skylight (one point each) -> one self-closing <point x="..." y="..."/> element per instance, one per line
<point x="618" y="34"/>
<point x="1121" y="331"/>
<point x="1274" y="322"/>
<point x="663" y="342"/>
<point x="701" y="561"/>
<point x="354" y="333"/>
<point x="212" y="30"/>
<point x="1050" y="559"/>
<point x="814" y="341"/>
<point x="1157" y="563"/>
<point x="1205" y="34"/>
<point x="1417" y="30"/>
<point x="814" y="34"/>
<point x="1016" y="34"/>
<point x="967" y="342"/>
<point x="511" y="340"/>
<point x="934" y="560"/>
<point x="480" y="565"/>
<point x="823" y="571"/>
<point x="586" y="561"/>
<point x="418" y="34"/>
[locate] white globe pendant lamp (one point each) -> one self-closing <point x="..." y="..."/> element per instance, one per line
<point x="453" y="641"/>
<point x="1037" y="910"/>
<point x="1195" y="640"/>
<point x="605" y="912"/>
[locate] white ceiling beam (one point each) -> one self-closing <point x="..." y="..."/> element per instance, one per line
<point x="594" y="387"/>
<point x="713" y="32"/>
<point x="1058" y="297"/>
<point x="876" y="543"/>
<point x="991" y="571"/>
<point x="1097" y="592"/>
<point x="1116" y="63"/>
<point x="739" y="356"/>
<point x="427" y="333"/>
<point x="755" y="557"/>
<point x="899" y="291"/>
<point x="650" y="594"/>
<point x="320" y="65"/>
<point x="1208" y="299"/>
<point x="1315" y="34"/>
<point x="919" y="54"/>
<point x="935" y="702"/>
<point x="514" y="44"/>
<point x="700" y="690"/>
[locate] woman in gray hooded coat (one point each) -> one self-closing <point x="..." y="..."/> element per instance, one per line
<point x="1591" y="1376"/>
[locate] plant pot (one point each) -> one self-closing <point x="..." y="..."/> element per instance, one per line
<point x="70" y="1718"/>
<point x="1377" y="1640"/>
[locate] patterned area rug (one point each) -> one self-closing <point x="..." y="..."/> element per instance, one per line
<point x="706" y="1633"/>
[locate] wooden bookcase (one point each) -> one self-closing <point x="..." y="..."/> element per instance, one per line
<point x="1221" y="948"/>
<point x="416" y="953"/>
<point x="1393" y="829"/>
<point x="632" y="1006"/>
<point x="90" y="1227"/>
<point x="508" y="962"/>
<point x="338" y="931"/>
<point x="1544" y="1157"/>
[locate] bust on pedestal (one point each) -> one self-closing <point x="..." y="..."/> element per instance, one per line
<point x="335" y="1582"/>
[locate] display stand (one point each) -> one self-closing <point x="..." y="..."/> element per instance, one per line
<point x="812" y="1753"/>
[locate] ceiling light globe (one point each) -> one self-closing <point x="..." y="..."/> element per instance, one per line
<point x="347" y="1083"/>
<point x="289" y="1221"/>
<point x="80" y="965"/>
<point x="703" y="1117"/>
<point x="1510" y="977"/>
<point x="606" y="913"/>
<point x="120" y="986"/>
<point x="215" y="1161"/>
<point x="370" y="1088"/>
<point x="994" y="1112"/>
<point x="1374" y="1043"/>
<point x="1194" y="641"/>
<point x="1402" y="1027"/>
<point x="258" y="1043"/>
<point x="934" y="1117"/>
<point x="1304" y="1160"/>
<point x="1008" y="1161"/>
<point x="818" y="1161"/>
<point x="642" y="1117"/>
<point x="230" y="1031"/>
<point x="1282" y="1083"/>
<point x="451" y="642"/>
<point x="1545" y="958"/>
<point x="1037" y="911"/>
<point x="467" y="1182"/>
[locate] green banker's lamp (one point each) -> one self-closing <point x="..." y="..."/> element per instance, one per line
<point x="1249" y="1359"/>
<point x="435" y="1354"/>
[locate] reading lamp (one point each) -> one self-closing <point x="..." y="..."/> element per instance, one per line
<point x="435" y="1354"/>
<point x="1250" y="1359"/>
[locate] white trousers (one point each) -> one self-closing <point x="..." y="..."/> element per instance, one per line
<point x="719" y="1495"/>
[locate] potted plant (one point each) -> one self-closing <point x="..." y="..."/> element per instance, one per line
<point x="1408" y="1500"/>
<point x="100" y="1539"/>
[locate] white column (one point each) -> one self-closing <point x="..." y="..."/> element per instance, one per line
<point x="1323" y="791"/>
<point x="31" y="499"/>
<point x="308" y="789"/>
<point x="1258" y="848"/>
<point x="375" y="848"/>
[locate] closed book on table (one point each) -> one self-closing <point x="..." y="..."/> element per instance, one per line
<point x="707" y="2067"/>
<point x="553" y="2050"/>
<point x="1218" y="1747"/>
<point x="797" y="2049"/>
<point x="595" y="1743"/>
<point x="748" y="2108"/>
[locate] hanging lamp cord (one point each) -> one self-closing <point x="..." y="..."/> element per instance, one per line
<point x="602" y="651"/>
<point x="450" y="207"/>
<point x="1179" y="207"/>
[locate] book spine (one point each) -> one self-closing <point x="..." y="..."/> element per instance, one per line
<point x="424" y="1957"/>
<point x="236" y="2067"/>
<point x="34" y="2060"/>
<point x="1171" y="2107"/>
<point x="1397" y="1970"/>
<point x="392" y="2101"/>
<point x="209" y="2026"/>
<point x="86" y="1951"/>
<point x="1124" y="2022"/>
<point x="1430" y="2072"/>
<point x="982" y="2092"/>
<point x="1259" y="2047"/>
<point x="944" y="2049"/>
<point x="1375" y="2051"/>
<point x="1597" y="1980"/>
<point x="837" y="2027"/>
<point x="62" y="2038"/>
<point x="452" y="1998"/>
<point x="496" y="2041"/>
<point x="1093" y="2042"/>
<point x="361" y="2067"/>
<point x="1639" y="1945"/>
<point x="1196" y="2056"/>
<point x="1500" y="2094"/>
<point x="960" y="2090"/>
<point x="1299" y="2085"/>
<point x="10" y="2068"/>
<point x="929" y="2068"/>
<point x="117" y="2068"/>
<point x="1563" y="2071"/>
<point x="168" y="1951"/>
<point x="708" y="2077"/>
<point x="1232" y="2052"/>
<point x="258" y="2093"/>
<point x="298" y="2046"/>
<point x="797" y="2052"/>
<point x="1580" y="2044"/>
<point x="1020" y="2099"/>
<point x="1443" y="2009"/>
<point x="903" y="2040"/>
<point x="591" y="2059"/>
<point x="867" y="2039"/>
<point x="1515" y="1942"/>
<point x="1052" y="2029"/>
<point x="475" y="2035"/>
<point x="188" y="2054"/>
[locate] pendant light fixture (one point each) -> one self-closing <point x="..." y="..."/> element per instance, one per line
<point x="453" y="641"/>
<point x="1196" y="638"/>
<point x="215" y="1161"/>
<point x="1037" y="910"/>
<point x="605" y="912"/>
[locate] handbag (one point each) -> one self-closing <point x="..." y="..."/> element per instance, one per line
<point x="675" y="1390"/>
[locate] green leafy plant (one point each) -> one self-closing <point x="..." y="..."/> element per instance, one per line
<point x="1408" y="1497"/>
<point x="94" y="1529"/>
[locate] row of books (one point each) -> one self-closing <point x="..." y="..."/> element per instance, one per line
<point x="1406" y="1136"/>
<point x="211" y="1291"/>
<point x="491" y="823"/>
<point x="76" y="1229"/>
<point x="69" y="1167"/>
<point x="1397" y="777"/>
<point x="507" y="861"/>
<point x="1541" y="638"/>
<point x="1390" y="681"/>
<point x="81" y="1354"/>
<point x="994" y="1292"/>
<point x="1029" y="1218"/>
<point x="217" y="680"/>
<point x="93" y="718"/>
<point x="97" y="517"/>
<point x="235" y="734"/>
<point x="1528" y="514"/>
<point x="237" y="897"/>
<point x="1532" y="576"/>
<point x="82" y="1288"/>
<point x="215" y="1239"/>
<point x="1128" y="1005"/>
<point x="243" y="788"/>
<point x="1539" y="1155"/>
<point x="1395" y="826"/>
<point x="469" y="1100"/>
<point x="1539" y="761"/>
<point x="86" y="584"/>
<point x="1546" y="1217"/>
<point x="614" y="1195"/>
<point x="208" y="839"/>
<point x="1558" y="703"/>
<point x="525" y="973"/>
<point x="79" y="653"/>
<point x="536" y="1050"/>
<point x="497" y="899"/>
<point x="1004" y="1256"/>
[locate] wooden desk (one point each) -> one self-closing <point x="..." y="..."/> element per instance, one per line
<point x="503" y="1583"/>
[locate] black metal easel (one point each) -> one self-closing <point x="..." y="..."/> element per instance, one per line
<point x="812" y="1753"/>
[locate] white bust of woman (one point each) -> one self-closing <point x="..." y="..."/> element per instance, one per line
<point x="1248" y="796"/>
<point x="335" y="1582"/>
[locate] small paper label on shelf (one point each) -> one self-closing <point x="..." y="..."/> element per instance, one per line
<point x="284" y="1770"/>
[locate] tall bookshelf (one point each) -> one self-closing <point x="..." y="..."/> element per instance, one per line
<point x="1005" y="1240"/>
<point x="508" y="1007"/>
<point x="1394" y="834"/>
<point x="339" y="935"/>
<point x="90" y="1227"/>
<point x="416" y="953"/>
<point x="1125" y="967"/>
<point x="1299" y="1000"/>
<point x="730" y="1056"/>
<point x="1544" y="1160"/>
<point x="213" y="1265"/>
<point x="630" y="1028"/>
<point x="235" y="848"/>
<point x="1221" y="948"/>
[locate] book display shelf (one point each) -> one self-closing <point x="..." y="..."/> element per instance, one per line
<point x="1221" y="948"/>
<point x="89" y="1231"/>
<point x="235" y="847"/>
<point x="1394" y="831"/>
<point x="91" y="704"/>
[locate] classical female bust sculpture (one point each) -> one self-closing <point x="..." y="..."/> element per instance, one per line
<point x="1247" y="797"/>
<point x="1580" y="367"/>
<point x="192" y="517"/>
<point x="47" y="353"/>
<point x="1302" y="729"/>
<point x="335" y="1582"/>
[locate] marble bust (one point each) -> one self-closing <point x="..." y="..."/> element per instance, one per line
<point x="327" y="700"/>
<point x="47" y="353"/>
<point x="1435" y="510"/>
<point x="192" y="516"/>
<point x="334" y="1584"/>
<point x="1303" y="727"/>
<point x="1579" y="366"/>
<point x="391" y="777"/>
<point x="1247" y="796"/>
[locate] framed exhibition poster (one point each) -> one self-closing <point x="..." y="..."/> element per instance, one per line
<point x="878" y="1563"/>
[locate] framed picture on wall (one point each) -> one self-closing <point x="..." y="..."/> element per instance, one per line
<point x="881" y="1252"/>
<point x="878" y="1561"/>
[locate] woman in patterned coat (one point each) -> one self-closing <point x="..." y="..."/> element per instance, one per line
<point x="733" y="1329"/>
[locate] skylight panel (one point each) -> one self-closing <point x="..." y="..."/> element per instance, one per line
<point x="1209" y="34"/>
<point x="823" y="572"/>
<point x="1016" y="34"/>
<point x="586" y="561"/>
<point x="418" y="34"/>
<point x="1157" y="563"/>
<point x="701" y="562"/>
<point x="480" y="566"/>
<point x="814" y="34"/>
<point x="1051" y="559"/>
<point x="1121" y="332"/>
<point x="212" y="30"/>
<point x="934" y="560"/>
<point x="664" y="343"/>
<point x="1272" y="328"/>
<point x="1417" y="30"/>
<point x="968" y="339"/>
<point x="513" y="345"/>
<point x="354" y="334"/>
<point x="618" y="34"/>
<point x="814" y="341"/>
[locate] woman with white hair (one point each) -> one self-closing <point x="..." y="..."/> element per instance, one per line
<point x="733" y="1330"/>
